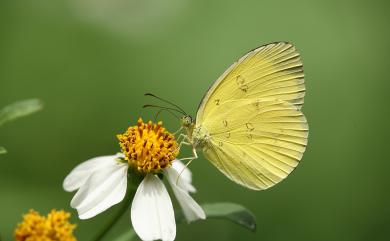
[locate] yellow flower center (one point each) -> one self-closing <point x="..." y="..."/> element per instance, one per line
<point x="148" y="147"/>
<point x="54" y="227"/>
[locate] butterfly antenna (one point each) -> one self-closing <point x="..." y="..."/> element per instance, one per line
<point x="161" y="110"/>
<point x="167" y="101"/>
<point x="162" y="107"/>
<point x="181" y="172"/>
<point x="158" y="112"/>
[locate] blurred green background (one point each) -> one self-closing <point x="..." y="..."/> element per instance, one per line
<point x="92" y="61"/>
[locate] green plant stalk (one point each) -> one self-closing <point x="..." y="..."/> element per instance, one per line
<point x="126" y="202"/>
<point x="127" y="236"/>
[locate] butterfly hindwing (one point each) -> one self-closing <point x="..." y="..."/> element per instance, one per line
<point x="256" y="143"/>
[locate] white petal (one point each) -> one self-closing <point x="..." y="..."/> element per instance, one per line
<point x="103" y="189"/>
<point x="191" y="209"/>
<point x="180" y="167"/>
<point x="79" y="175"/>
<point x="185" y="176"/>
<point x="152" y="213"/>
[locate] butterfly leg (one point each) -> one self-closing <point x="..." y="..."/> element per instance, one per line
<point x="184" y="140"/>
<point x="184" y="137"/>
<point x="181" y="128"/>
<point x="195" y="155"/>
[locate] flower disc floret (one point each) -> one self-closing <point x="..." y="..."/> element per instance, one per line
<point x="149" y="148"/>
<point x="54" y="227"/>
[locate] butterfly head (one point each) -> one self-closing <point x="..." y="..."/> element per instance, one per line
<point x="186" y="121"/>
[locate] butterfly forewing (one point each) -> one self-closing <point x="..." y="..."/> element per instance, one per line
<point x="272" y="71"/>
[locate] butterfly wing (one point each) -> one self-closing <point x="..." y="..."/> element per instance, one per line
<point x="272" y="71"/>
<point x="256" y="143"/>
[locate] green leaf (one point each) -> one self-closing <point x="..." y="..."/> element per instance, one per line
<point x="19" y="109"/>
<point x="230" y="211"/>
<point x="2" y="150"/>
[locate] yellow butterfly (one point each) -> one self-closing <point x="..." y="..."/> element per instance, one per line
<point x="249" y="124"/>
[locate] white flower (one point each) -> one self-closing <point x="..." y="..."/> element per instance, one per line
<point x="101" y="182"/>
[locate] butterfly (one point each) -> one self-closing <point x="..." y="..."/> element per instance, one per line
<point x="249" y="123"/>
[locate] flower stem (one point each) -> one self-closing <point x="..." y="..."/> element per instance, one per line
<point x="125" y="204"/>
<point x="127" y="236"/>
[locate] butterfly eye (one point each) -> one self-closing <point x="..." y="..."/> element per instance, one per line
<point x="186" y="120"/>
